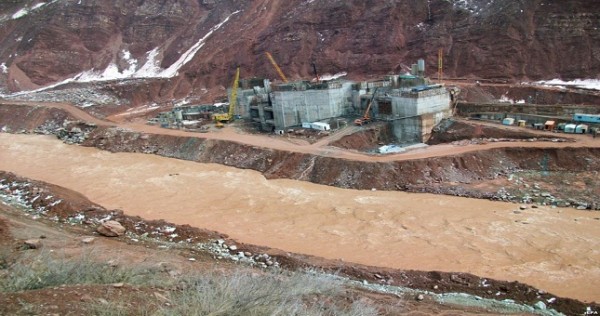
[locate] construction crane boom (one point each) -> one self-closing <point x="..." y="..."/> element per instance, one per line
<point x="281" y="75"/>
<point x="366" y="117"/>
<point x="226" y="117"/>
<point x="440" y="64"/>
<point x="234" y="90"/>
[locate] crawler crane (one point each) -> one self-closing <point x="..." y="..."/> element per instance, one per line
<point x="367" y="116"/>
<point x="227" y="117"/>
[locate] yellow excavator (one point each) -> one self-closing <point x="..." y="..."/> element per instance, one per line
<point x="228" y="117"/>
<point x="367" y="116"/>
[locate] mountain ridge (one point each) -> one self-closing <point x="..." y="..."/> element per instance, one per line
<point x="507" y="40"/>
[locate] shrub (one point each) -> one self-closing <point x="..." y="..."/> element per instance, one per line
<point x="43" y="270"/>
<point x="266" y="294"/>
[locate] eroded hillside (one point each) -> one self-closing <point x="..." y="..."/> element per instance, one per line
<point x="45" y="42"/>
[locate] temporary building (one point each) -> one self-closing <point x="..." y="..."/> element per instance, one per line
<point x="581" y="129"/>
<point x="522" y="123"/>
<point x="587" y="118"/>
<point x="387" y="149"/>
<point x="561" y="126"/>
<point x="320" y="126"/>
<point x="508" y="121"/>
<point x="549" y="125"/>
<point x="538" y="126"/>
<point x="570" y="128"/>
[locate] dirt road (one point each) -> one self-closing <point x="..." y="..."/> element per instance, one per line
<point x="321" y="148"/>
<point x="553" y="249"/>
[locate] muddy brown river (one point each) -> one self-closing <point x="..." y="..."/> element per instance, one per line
<point x="557" y="250"/>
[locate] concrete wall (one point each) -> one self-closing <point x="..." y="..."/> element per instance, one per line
<point x="292" y="108"/>
<point x="416" y="129"/>
<point x="419" y="103"/>
<point x="242" y="106"/>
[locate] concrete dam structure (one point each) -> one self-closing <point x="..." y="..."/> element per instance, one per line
<point x="409" y="104"/>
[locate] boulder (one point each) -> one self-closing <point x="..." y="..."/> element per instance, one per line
<point x="539" y="305"/>
<point x="111" y="229"/>
<point x="33" y="243"/>
<point x="88" y="240"/>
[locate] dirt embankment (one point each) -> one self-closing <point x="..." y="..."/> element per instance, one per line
<point x="469" y="174"/>
<point x="417" y="175"/>
<point x="452" y="130"/>
<point x="368" y="139"/>
<point x="16" y="118"/>
<point x="486" y="93"/>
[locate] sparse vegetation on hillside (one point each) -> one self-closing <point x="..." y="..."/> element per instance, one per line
<point x="42" y="270"/>
<point x="242" y="292"/>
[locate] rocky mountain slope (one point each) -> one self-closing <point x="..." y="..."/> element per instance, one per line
<point x="193" y="46"/>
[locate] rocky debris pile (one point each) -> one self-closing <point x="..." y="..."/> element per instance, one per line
<point x="35" y="200"/>
<point x="222" y="250"/>
<point x="70" y="132"/>
<point x="49" y="127"/>
<point x="81" y="96"/>
<point x="508" y="306"/>
<point x="535" y="194"/>
<point x="483" y="141"/>
<point x="75" y="133"/>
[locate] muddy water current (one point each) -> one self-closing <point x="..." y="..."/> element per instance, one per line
<point x="557" y="250"/>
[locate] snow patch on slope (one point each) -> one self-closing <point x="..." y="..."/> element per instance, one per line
<point x="19" y="14"/>
<point x="173" y="70"/>
<point x="140" y="109"/>
<point x="327" y="77"/>
<point x="24" y="11"/>
<point x="150" y="69"/>
<point x="592" y="84"/>
<point x="111" y="72"/>
<point x="473" y="6"/>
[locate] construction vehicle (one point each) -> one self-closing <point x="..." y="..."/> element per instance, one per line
<point x="228" y="117"/>
<point x="281" y="75"/>
<point x="366" y="119"/>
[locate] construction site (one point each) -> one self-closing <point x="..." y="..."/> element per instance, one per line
<point x="427" y="165"/>
<point x="409" y="105"/>
<point x="409" y="108"/>
<point x="530" y="164"/>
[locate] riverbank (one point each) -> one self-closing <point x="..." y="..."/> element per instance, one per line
<point x="550" y="248"/>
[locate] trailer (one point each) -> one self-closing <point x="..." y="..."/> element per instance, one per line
<point x="586" y="118"/>
<point x="508" y="121"/>
<point x="320" y="126"/>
